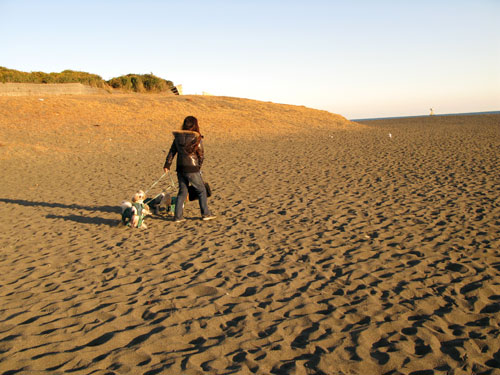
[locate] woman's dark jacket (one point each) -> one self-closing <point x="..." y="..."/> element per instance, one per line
<point x="187" y="144"/>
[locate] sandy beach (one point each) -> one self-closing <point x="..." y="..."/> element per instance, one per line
<point x="337" y="249"/>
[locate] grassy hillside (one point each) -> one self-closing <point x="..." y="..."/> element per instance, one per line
<point x="129" y="82"/>
<point x="141" y="83"/>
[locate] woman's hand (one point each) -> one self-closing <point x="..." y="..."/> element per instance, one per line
<point x="166" y="170"/>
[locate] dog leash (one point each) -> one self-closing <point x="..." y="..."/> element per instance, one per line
<point x="155" y="183"/>
<point x="172" y="180"/>
<point x="163" y="175"/>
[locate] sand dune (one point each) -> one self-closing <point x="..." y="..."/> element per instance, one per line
<point x="337" y="250"/>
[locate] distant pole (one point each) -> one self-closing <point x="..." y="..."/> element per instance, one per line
<point x="432" y="112"/>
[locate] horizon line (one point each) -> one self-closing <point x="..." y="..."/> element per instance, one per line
<point x="434" y="115"/>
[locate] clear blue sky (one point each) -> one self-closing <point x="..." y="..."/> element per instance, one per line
<point x="355" y="58"/>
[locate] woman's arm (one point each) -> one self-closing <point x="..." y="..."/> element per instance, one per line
<point x="170" y="157"/>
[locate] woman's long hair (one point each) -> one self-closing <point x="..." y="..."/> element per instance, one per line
<point x="191" y="123"/>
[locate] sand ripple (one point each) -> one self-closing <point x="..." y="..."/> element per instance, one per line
<point x="342" y="252"/>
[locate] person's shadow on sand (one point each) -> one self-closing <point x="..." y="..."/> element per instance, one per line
<point x="21" y="202"/>
<point x="76" y="218"/>
<point x="85" y="219"/>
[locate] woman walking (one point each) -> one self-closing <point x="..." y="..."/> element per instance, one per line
<point x="188" y="146"/>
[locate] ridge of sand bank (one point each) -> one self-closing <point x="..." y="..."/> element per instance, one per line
<point x="38" y="124"/>
<point x="37" y="89"/>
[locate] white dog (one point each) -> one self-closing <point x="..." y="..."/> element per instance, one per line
<point x="133" y="213"/>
